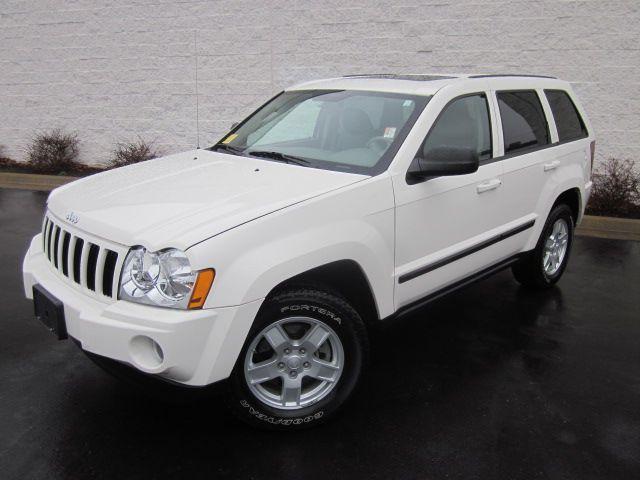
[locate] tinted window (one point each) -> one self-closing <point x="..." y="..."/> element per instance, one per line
<point x="523" y="122"/>
<point x="568" y="121"/>
<point x="464" y="123"/>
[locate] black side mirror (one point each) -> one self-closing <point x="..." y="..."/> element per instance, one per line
<point x="443" y="161"/>
<point x="234" y="125"/>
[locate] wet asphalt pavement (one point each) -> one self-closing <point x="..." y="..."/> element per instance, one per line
<point x="492" y="382"/>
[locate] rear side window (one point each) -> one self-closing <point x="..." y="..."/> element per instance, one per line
<point x="464" y="123"/>
<point x="568" y="121"/>
<point x="523" y="122"/>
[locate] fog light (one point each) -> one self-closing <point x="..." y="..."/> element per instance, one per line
<point x="158" y="351"/>
<point x="146" y="353"/>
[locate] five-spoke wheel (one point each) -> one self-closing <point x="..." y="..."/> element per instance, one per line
<point x="294" y="362"/>
<point x="555" y="247"/>
<point x="301" y="361"/>
<point x="543" y="266"/>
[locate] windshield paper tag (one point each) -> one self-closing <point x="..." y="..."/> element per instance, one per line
<point x="389" y="132"/>
<point x="230" y="138"/>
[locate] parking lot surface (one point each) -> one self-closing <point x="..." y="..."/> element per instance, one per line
<point x="491" y="382"/>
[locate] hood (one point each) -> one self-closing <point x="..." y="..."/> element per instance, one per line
<point x="179" y="200"/>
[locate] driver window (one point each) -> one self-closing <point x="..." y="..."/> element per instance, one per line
<point x="464" y="123"/>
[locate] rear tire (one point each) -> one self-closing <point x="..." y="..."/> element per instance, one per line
<point x="301" y="360"/>
<point x="543" y="267"/>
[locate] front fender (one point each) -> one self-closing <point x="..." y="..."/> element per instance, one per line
<point x="355" y="223"/>
<point x="295" y="255"/>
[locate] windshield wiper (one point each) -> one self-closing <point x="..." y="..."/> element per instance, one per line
<point x="227" y="148"/>
<point x="281" y="157"/>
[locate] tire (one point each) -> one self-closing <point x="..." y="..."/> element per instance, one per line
<point x="276" y="390"/>
<point x="531" y="271"/>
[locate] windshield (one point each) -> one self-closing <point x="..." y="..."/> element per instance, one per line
<point x="353" y="131"/>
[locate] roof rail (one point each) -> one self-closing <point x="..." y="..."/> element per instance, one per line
<point x="510" y="75"/>
<point x="394" y="76"/>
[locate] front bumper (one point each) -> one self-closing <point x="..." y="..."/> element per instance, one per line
<point x="199" y="347"/>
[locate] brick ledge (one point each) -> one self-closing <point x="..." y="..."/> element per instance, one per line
<point x="30" y="181"/>
<point x="591" y="226"/>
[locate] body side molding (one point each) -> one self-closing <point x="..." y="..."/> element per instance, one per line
<point x="481" y="275"/>
<point x="468" y="251"/>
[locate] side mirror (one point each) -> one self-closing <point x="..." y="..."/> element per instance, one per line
<point x="234" y="125"/>
<point x="443" y="161"/>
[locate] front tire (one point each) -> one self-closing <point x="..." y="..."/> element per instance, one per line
<point x="301" y="361"/>
<point x="543" y="267"/>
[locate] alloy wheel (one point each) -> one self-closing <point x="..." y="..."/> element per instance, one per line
<point x="555" y="247"/>
<point x="294" y="362"/>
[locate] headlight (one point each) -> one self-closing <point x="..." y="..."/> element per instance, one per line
<point x="163" y="278"/>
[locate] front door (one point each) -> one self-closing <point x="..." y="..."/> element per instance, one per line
<point x="443" y="224"/>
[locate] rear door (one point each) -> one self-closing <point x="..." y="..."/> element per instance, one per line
<point x="527" y="159"/>
<point x="544" y="143"/>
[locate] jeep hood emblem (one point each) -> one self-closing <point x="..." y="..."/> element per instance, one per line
<point x="72" y="218"/>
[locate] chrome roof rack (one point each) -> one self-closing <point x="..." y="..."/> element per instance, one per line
<point x="489" y="75"/>
<point x="393" y="76"/>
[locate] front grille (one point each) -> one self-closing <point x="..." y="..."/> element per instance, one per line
<point x="85" y="261"/>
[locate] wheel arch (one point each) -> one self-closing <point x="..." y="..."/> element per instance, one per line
<point x="573" y="199"/>
<point x="569" y="193"/>
<point x="344" y="277"/>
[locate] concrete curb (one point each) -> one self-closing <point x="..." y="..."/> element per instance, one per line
<point x="602" y="227"/>
<point x="609" y="227"/>
<point x="30" y="181"/>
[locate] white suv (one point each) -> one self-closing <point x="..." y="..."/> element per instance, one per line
<point x="337" y="204"/>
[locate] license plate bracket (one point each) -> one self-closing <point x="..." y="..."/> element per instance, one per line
<point x="50" y="311"/>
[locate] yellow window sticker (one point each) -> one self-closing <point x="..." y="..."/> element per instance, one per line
<point x="230" y="138"/>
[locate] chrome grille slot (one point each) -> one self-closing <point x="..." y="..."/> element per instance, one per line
<point x="66" y="238"/>
<point x="109" y="269"/>
<point x="50" y="240"/>
<point x="45" y="229"/>
<point x="92" y="262"/>
<point x="49" y="236"/>
<point x="56" y="244"/>
<point x="85" y="261"/>
<point x="77" y="256"/>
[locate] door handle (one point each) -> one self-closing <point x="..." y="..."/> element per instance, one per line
<point x="490" y="185"/>
<point x="551" y="166"/>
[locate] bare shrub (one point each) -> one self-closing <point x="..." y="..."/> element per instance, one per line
<point x="616" y="190"/>
<point x="132" y="152"/>
<point x="8" y="164"/>
<point x="54" y="152"/>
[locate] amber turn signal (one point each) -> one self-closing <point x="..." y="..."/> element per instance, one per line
<point x="201" y="288"/>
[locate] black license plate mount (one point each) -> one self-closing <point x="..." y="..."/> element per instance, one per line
<point x="50" y="311"/>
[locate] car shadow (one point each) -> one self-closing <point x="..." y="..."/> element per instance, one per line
<point x="425" y="369"/>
